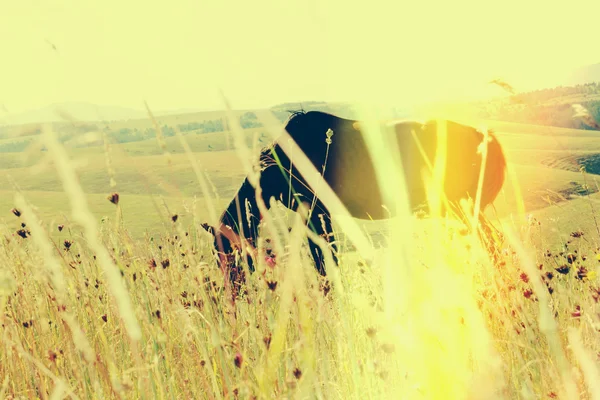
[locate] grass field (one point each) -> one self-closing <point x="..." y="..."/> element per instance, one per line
<point x="141" y="313"/>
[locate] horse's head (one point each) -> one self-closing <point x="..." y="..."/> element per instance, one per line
<point x="226" y="243"/>
<point x="220" y="242"/>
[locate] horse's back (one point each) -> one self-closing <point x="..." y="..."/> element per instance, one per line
<point x="350" y="167"/>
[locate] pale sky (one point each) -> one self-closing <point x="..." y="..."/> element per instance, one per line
<point x="176" y="53"/>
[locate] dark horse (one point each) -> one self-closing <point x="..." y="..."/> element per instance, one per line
<point x="346" y="165"/>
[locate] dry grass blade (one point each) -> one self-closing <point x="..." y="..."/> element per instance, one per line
<point x="40" y="237"/>
<point x="83" y="216"/>
<point x="504" y="85"/>
<point x="588" y="365"/>
<point x="546" y="321"/>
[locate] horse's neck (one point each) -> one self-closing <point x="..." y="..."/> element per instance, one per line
<point x="242" y="207"/>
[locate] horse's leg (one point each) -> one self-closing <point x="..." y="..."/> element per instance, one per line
<point x="320" y="223"/>
<point x="276" y="183"/>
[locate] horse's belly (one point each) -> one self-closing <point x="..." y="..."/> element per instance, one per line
<point x="355" y="183"/>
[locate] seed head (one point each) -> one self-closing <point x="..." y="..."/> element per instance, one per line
<point x="114" y="198"/>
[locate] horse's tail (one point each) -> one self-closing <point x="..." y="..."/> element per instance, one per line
<point x="495" y="172"/>
<point x="494" y="177"/>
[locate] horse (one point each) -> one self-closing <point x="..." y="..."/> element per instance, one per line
<point x="337" y="149"/>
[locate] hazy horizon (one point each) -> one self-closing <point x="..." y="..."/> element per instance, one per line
<point x="263" y="53"/>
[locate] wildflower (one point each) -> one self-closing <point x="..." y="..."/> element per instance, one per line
<point x="272" y="285"/>
<point x="270" y="260"/>
<point x="23" y="233"/>
<point x="152" y="263"/>
<point x="582" y="272"/>
<point x="524" y="277"/>
<point x="267" y="340"/>
<point x="52" y="356"/>
<point x="563" y="269"/>
<point x="67" y="244"/>
<point x="576" y="234"/>
<point x="174" y="218"/>
<point x="165" y="263"/>
<point x="60" y="227"/>
<point x="571" y="258"/>
<point x="114" y="198"/>
<point x="527" y="293"/>
<point x="297" y="373"/>
<point x="549" y="275"/>
<point x="157" y="314"/>
<point x="326" y="288"/>
<point x="105" y="318"/>
<point x="238" y="360"/>
<point x="577" y="312"/>
<point x="16" y="212"/>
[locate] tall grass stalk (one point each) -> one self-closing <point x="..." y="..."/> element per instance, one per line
<point x="83" y="216"/>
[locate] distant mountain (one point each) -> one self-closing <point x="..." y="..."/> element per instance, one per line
<point x="80" y="111"/>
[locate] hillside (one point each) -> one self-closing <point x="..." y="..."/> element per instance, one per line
<point x="79" y="111"/>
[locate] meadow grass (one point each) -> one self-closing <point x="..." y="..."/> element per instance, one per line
<point x="95" y="313"/>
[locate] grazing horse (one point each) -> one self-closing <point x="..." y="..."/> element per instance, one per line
<point x="346" y="166"/>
